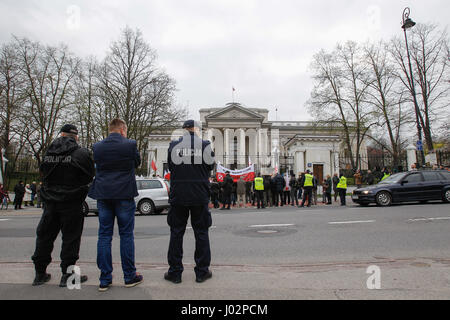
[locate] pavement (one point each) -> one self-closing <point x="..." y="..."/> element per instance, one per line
<point x="324" y="252"/>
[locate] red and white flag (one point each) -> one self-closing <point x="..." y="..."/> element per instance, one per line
<point x="167" y="174"/>
<point x="153" y="165"/>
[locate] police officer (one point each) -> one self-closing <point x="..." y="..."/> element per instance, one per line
<point x="190" y="160"/>
<point x="308" y="184"/>
<point x="342" y="188"/>
<point x="67" y="169"/>
<point x="258" y="186"/>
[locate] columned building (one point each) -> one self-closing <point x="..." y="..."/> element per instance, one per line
<point x="240" y="135"/>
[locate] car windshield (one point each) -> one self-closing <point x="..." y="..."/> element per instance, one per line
<point x="395" y="178"/>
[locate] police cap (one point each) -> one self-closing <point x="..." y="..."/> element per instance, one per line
<point x="190" y="124"/>
<point x="69" y="128"/>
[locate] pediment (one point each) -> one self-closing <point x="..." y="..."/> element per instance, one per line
<point x="234" y="111"/>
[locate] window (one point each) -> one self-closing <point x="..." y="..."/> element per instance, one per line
<point x="415" y="177"/>
<point x="149" y="184"/>
<point x="445" y="174"/>
<point x="431" y="176"/>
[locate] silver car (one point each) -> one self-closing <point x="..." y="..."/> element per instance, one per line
<point x="153" y="197"/>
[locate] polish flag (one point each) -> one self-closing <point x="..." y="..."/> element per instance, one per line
<point x="167" y="174"/>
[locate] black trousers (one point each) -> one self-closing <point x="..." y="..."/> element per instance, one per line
<point x="279" y="197"/>
<point x="307" y="194"/>
<point x="259" y="198"/>
<point x="59" y="216"/>
<point x="227" y="199"/>
<point x="342" y="193"/>
<point x="18" y="201"/>
<point x="201" y="221"/>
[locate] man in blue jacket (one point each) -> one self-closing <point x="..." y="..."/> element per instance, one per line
<point x="114" y="187"/>
<point x="190" y="160"/>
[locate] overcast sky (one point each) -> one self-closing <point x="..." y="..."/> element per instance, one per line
<point x="261" y="48"/>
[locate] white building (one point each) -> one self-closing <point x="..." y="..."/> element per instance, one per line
<point x="240" y="135"/>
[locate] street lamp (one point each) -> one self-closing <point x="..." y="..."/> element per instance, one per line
<point x="408" y="23"/>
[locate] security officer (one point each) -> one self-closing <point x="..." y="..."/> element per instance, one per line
<point x="308" y="184"/>
<point x="190" y="160"/>
<point x="258" y="186"/>
<point x="67" y="169"/>
<point x="342" y="188"/>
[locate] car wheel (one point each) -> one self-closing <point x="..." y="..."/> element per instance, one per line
<point x="383" y="198"/>
<point x="85" y="209"/>
<point x="446" y="196"/>
<point x="146" y="207"/>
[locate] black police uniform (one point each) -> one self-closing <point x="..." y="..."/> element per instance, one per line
<point x="189" y="194"/>
<point x="67" y="170"/>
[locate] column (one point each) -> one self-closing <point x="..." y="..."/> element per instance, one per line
<point x="410" y="156"/>
<point x="299" y="159"/>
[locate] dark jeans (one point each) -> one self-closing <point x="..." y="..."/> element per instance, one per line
<point x="279" y="198"/>
<point x="58" y="216"/>
<point x="307" y="194"/>
<point x="201" y="221"/>
<point x="342" y="193"/>
<point x="259" y="198"/>
<point x="227" y="199"/>
<point x="18" y="202"/>
<point x="287" y="197"/>
<point x="108" y="210"/>
<point x="215" y="199"/>
<point x="294" y="197"/>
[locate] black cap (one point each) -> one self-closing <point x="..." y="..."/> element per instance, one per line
<point x="69" y="128"/>
<point x="190" y="124"/>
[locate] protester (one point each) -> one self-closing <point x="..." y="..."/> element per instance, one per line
<point x="248" y="191"/>
<point x="240" y="190"/>
<point x="335" y="183"/>
<point x="279" y="184"/>
<point x="301" y="177"/>
<point x="33" y="192"/>
<point x="328" y="187"/>
<point x="286" y="190"/>
<point x="19" y="192"/>
<point x="227" y="188"/>
<point x="293" y="184"/>
<point x="39" y="202"/>
<point x="189" y="197"/>
<point x="114" y="188"/>
<point x="370" y="179"/>
<point x="27" y="196"/>
<point x="4" y="197"/>
<point x="358" y="178"/>
<point x="215" y="189"/>
<point x="314" y="190"/>
<point x="267" y="190"/>
<point x="67" y="169"/>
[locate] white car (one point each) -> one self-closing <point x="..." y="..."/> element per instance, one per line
<point x="153" y="197"/>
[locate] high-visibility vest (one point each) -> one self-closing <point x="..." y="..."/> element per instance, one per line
<point x="308" y="180"/>
<point x="259" y="183"/>
<point x="342" y="183"/>
<point x="385" y="176"/>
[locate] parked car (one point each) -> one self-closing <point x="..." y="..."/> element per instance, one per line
<point x="406" y="186"/>
<point x="153" y="197"/>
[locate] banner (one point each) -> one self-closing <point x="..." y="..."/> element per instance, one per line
<point x="247" y="173"/>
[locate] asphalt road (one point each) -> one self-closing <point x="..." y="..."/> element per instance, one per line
<point x="321" y="252"/>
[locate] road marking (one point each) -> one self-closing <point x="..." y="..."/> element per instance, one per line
<point x="212" y="227"/>
<point x="349" y="222"/>
<point x="270" y="225"/>
<point x="429" y="219"/>
<point x="4" y="219"/>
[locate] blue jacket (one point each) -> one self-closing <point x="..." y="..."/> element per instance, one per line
<point x="190" y="167"/>
<point x="115" y="159"/>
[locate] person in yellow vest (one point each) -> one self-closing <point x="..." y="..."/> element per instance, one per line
<point x="386" y="175"/>
<point x="258" y="186"/>
<point x="342" y="188"/>
<point x="307" y="183"/>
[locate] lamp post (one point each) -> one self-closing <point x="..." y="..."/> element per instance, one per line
<point x="408" y="23"/>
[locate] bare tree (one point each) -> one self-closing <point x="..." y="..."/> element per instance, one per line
<point x="386" y="95"/>
<point x="341" y="83"/>
<point x="430" y="63"/>
<point x="133" y="88"/>
<point x="48" y="73"/>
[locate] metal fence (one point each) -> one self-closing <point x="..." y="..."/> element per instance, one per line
<point x="443" y="158"/>
<point x="374" y="162"/>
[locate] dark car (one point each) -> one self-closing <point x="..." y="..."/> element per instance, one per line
<point x="406" y="186"/>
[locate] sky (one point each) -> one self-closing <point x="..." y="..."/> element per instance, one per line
<point x="262" y="48"/>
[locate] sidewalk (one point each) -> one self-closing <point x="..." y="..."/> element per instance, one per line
<point x="400" y="279"/>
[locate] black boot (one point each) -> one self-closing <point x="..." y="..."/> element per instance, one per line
<point x="41" y="278"/>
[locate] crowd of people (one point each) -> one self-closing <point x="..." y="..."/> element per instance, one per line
<point x="25" y="194"/>
<point x="276" y="190"/>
